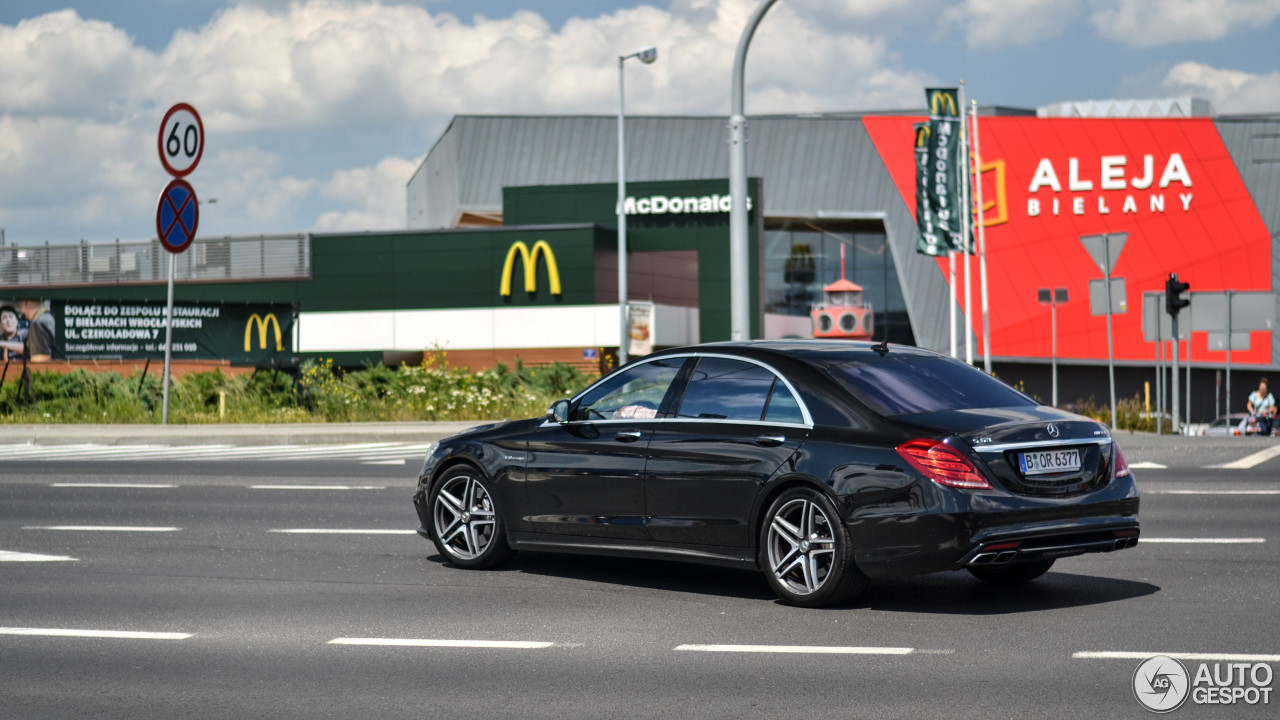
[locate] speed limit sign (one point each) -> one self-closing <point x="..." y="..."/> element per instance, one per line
<point x="181" y="140"/>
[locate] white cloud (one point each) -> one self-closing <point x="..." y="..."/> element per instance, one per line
<point x="80" y="100"/>
<point x="1147" y="23"/>
<point x="376" y="193"/>
<point x="994" y="24"/>
<point x="1230" y="91"/>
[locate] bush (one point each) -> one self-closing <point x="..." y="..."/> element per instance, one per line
<point x="322" y="392"/>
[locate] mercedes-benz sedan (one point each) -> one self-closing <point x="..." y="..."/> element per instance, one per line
<point x="820" y="463"/>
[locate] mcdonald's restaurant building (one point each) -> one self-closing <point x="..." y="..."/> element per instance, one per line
<point x="510" y="246"/>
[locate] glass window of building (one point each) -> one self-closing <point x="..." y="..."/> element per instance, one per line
<point x="803" y="256"/>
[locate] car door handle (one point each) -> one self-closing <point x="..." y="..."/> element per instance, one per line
<point x="771" y="440"/>
<point x="627" y="436"/>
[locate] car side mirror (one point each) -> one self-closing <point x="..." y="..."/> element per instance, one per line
<point x="559" y="412"/>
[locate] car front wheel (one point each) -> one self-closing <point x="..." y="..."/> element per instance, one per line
<point x="806" y="553"/>
<point x="466" y="526"/>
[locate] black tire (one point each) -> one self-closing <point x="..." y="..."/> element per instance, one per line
<point x="1012" y="574"/>
<point x="805" y="551"/>
<point x="466" y="523"/>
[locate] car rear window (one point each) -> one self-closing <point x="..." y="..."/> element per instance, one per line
<point x="903" y="384"/>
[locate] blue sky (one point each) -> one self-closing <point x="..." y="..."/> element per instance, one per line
<point x="317" y="111"/>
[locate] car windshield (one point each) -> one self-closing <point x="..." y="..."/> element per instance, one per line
<point x="902" y="384"/>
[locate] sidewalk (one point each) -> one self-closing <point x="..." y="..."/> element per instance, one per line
<point x="273" y="434"/>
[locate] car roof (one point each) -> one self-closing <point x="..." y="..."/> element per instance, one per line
<point x="814" y="352"/>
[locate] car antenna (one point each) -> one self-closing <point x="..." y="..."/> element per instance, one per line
<point x="882" y="347"/>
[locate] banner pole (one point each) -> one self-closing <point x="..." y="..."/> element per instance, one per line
<point x="982" y="245"/>
<point x="954" y="301"/>
<point x="168" y="338"/>
<point x="967" y="223"/>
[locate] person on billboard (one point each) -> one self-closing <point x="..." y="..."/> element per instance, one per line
<point x="1262" y="404"/>
<point x="40" y="329"/>
<point x="11" y="338"/>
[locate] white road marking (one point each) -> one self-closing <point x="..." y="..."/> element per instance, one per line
<point x="386" y="452"/>
<point x="149" y="486"/>
<point x="805" y="649"/>
<point x="1211" y="492"/>
<point x="1147" y="465"/>
<point x="14" y="556"/>
<point x="1221" y="657"/>
<point x="1257" y="458"/>
<point x="102" y="528"/>
<point x="401" y="461"/>
<point x="317" y="487"/>
<point x="1204" y="541"/>
<point x="411" y="642"/>
<point x="119" y="634"/>
<point x="341" y="531"/>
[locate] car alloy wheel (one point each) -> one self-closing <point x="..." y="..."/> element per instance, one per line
<point x="807" y="556"/>
<point x="466" y="527"/>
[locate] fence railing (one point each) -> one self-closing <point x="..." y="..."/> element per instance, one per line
<point x="217" y="259"/>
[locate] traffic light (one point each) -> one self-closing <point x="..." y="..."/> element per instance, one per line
<point x="1173" y="300"/>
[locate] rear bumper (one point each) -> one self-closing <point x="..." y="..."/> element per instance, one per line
<point x="1041" y="545"/>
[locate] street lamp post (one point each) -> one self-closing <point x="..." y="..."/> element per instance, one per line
<point x="646" y="55"/>
<point x="1053" y="297"/>
<point x="739" y="264"/>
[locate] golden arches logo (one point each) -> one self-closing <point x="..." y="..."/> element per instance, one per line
<point x="262" y="323"/>
<point x="530" y="260"/>
<point x="943" y="100"/>
<point x="922" y="135"/>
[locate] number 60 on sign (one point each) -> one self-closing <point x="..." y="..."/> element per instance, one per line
<point x="181" y="140"/>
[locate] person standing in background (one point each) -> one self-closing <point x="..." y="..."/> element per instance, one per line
<point x="1263" y="405"/>
<point x="40" y="330"/>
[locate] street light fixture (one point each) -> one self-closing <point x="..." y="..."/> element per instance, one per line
<point x="646" y="55"/>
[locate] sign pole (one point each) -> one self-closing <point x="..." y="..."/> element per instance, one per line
<point x="168" y="338"/>
<point x="1187" y="409"/>
<point x="1228" y="410"/>
<point x="1159" y="372"/>
<point x="1173" y="388"/>
<point x="1053" y="314"/>
<point x="954" y="301"/>
<point x="1111" y="367"/>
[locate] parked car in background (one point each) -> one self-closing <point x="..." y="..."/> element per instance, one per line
<point x="1234" y="424"/>
<point x="820" y="463"/>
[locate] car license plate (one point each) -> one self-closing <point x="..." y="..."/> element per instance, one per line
<point x="1043" y="462"/>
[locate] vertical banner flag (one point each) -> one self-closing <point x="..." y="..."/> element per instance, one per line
<point x="929" y="241"/>
<point x="943" y="190"/>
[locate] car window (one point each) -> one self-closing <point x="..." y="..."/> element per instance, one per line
<point x="906" y="383"/>
<point x="724" y="389"/>
<point x="783" y="407"/>
<point x="634" y="393"/>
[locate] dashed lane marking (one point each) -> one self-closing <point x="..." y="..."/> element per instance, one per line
<point x="317" y="487"/>
<point x="148" y="486"/>
<point x="116" y="634"/>
<point x="1220" y="657"/>
<point x="1147" y="465"/>
<point x="102" y="528"/>
<point x="15" y="556"/>
<point x="1253" y="460"/>
<point x="382" y="453"/>
<point x="1211" y="492"/>
<point x="341" y="531"/>
<point x="415" y="642"/>
<point x="802" y="649"/>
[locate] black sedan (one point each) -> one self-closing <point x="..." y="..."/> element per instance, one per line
<point x="821" y="463"/>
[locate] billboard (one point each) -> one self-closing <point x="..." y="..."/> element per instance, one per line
<point x="125" y="329"/>
<point x="1170" y="183"/>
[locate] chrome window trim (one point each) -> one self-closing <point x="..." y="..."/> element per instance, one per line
<point x="804" y="409"/>
<point x="1042" y="443"/>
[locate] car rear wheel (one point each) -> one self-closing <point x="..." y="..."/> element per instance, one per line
<point x="1012" y="574"/>
<point x="466" y="526"/>
<point x="805" y="551"/>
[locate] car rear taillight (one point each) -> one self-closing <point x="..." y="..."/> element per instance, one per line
<point x="1122" y="467"/>
<point x="942" y="464"/>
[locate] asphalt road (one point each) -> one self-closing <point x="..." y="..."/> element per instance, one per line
<point x="253" y="612"/>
